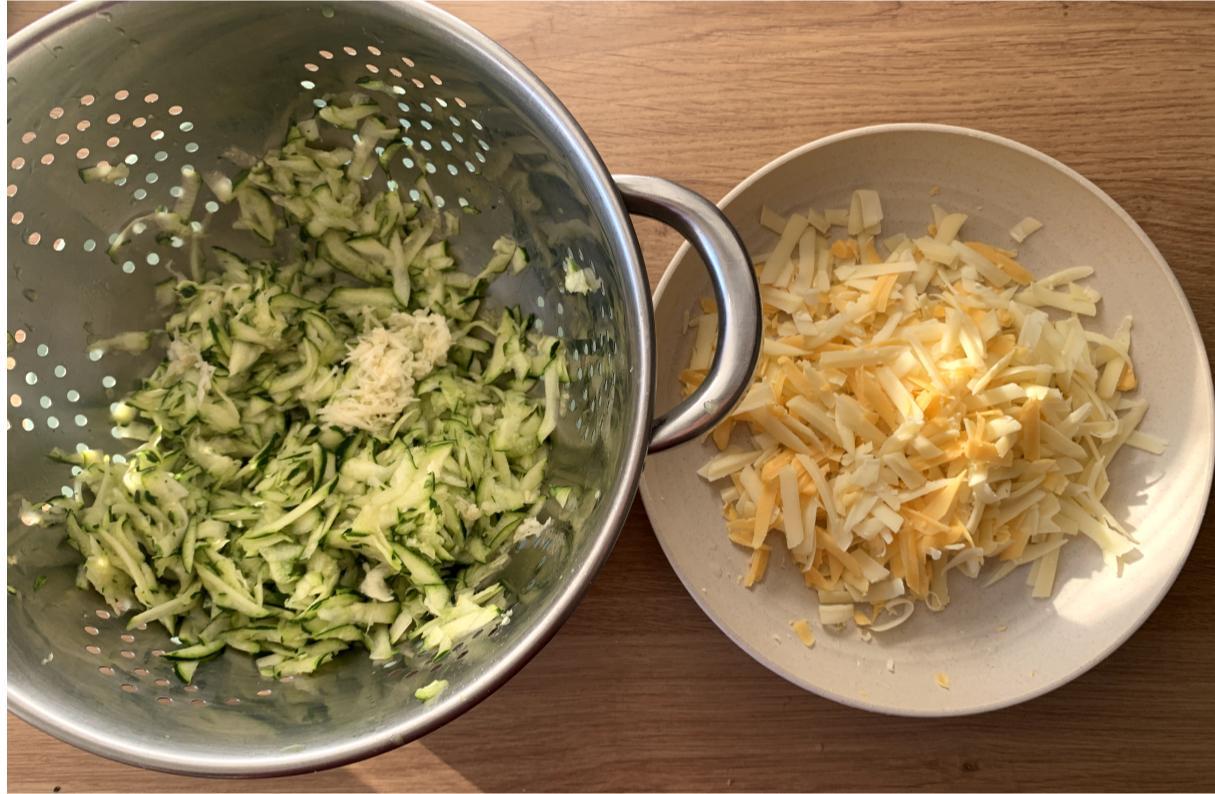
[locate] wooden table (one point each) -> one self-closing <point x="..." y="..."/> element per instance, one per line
<point x="639" y="690"/>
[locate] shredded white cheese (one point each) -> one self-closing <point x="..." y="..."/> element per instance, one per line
<point x="382" y="367"/>
<point x="1024" y="228"/>
<point x="919" y="411"/>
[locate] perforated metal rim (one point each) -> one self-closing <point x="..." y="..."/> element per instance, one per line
<point x="553" y="118"/>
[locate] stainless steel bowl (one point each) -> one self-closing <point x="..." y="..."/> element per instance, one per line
<point x="163" y="85"/>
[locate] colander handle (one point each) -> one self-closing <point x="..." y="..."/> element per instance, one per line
<point x="739" y="327"/>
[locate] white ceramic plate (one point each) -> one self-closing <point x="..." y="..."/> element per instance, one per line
<point x="997" y="645"/>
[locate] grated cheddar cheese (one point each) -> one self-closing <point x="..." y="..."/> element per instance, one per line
<point x="918" y="412"/>
<point x="803" y="631"/>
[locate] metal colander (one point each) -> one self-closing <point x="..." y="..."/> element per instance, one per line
<point x="163" y="86"/>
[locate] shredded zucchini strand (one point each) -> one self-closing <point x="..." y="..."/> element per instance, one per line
<point x="334" y="445"/>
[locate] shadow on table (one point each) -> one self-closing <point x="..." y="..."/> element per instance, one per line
<point x="598" y="710"/>
<point x="341" y="779"/>
<point x="76" y="770"/>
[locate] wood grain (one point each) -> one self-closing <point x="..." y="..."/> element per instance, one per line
<point x="639" y="690"/>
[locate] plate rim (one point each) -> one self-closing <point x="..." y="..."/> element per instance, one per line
<point x="1205" y="385"/>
